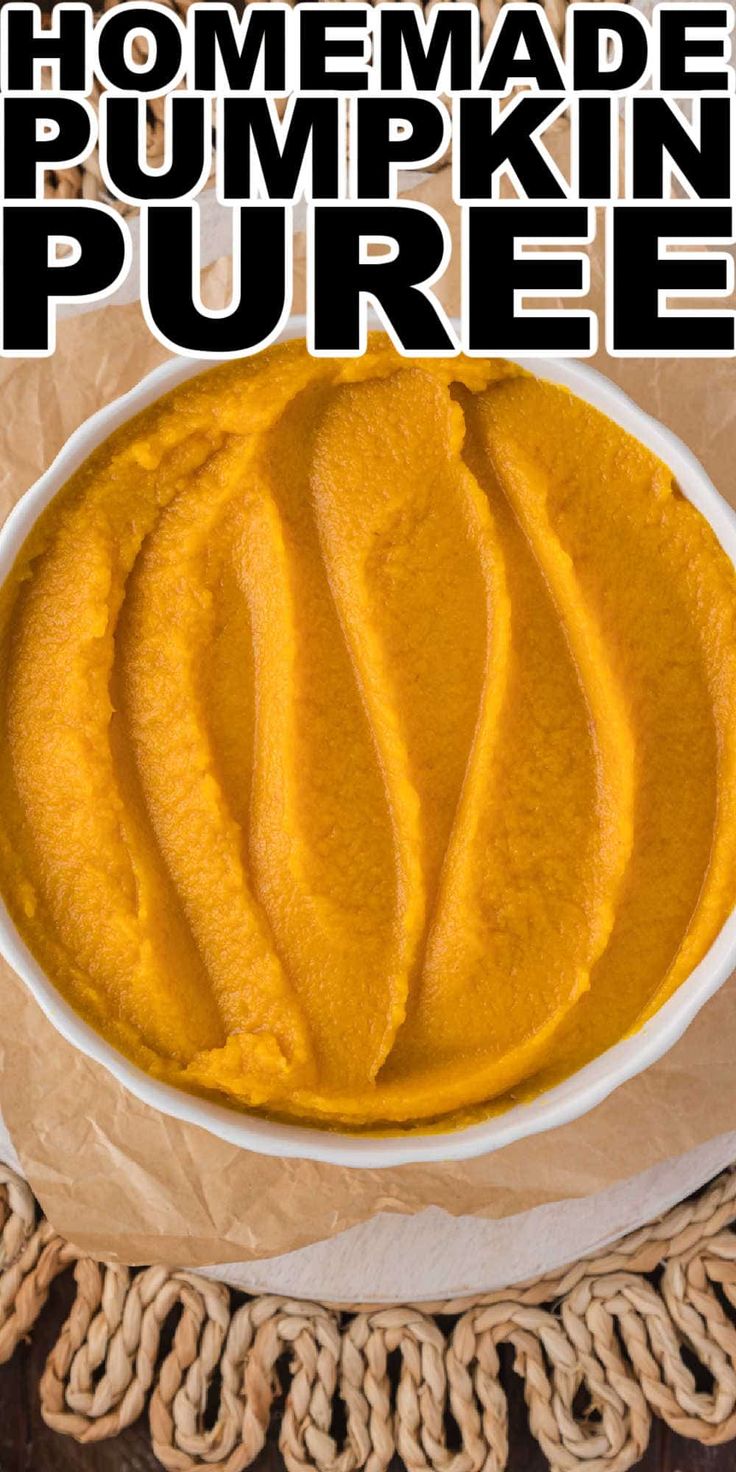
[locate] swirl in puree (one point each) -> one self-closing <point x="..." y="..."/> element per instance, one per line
<point x="368" y="736"/>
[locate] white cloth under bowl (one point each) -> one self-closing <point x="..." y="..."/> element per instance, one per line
<point x="434" y="1255"/>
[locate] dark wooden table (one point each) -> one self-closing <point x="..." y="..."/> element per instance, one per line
<point x="26" y="1444"/>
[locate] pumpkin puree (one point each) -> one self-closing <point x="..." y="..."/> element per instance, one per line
<point x="368" y="736"/>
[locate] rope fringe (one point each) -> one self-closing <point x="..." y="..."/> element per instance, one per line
<point x="598" y="1345"/>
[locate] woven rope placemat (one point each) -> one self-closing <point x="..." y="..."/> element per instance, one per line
<point x="601" y="1346"/>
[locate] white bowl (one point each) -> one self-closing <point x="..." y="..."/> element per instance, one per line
<point x="566" y="1101"/>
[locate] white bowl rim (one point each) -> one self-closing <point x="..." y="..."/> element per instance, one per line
<point x="559" y="1105"/>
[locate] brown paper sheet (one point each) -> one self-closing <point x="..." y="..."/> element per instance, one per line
<point x="126" y="1182"/>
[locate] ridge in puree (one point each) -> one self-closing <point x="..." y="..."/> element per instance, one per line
<point x="368" y="736"/>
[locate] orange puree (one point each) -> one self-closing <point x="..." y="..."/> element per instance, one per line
<point x="368" y="736"/>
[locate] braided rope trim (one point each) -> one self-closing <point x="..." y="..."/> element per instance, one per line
<point x="599" y="1346"/>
